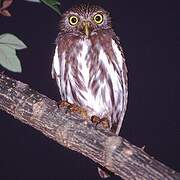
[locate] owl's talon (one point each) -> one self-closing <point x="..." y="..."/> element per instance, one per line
<point x="95" y="120"/>
<point x="104" y="121"/>
<point x="65" y="105"/>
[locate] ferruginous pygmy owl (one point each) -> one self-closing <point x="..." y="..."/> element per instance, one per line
<point x="89" y="65"/>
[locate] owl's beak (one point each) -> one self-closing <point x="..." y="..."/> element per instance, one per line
<point x="86" y="27"/>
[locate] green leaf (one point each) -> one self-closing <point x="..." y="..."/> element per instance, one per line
<point x="12" y="41"/>
<point x="8" y="58"/>
<point x="52" y="4"/>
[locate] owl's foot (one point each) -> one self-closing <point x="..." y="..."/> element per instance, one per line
<point x="102" y="121"/>
<point x="73" y="108"/>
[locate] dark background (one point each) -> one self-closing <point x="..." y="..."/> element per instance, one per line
<point x="150" y="35"/>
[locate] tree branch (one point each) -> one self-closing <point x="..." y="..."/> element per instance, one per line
<point x="71" y="131"/>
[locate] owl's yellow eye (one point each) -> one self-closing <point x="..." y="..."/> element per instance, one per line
<point x="98" y="18"/>
<point x="73" y="20"/>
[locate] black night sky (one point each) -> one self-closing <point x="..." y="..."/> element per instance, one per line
<point x="150" y="35"/>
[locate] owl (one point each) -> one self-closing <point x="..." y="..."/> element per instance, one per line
<point x="89" y="65"/>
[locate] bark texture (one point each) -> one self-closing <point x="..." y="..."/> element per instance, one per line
<point x="70" y="130"/>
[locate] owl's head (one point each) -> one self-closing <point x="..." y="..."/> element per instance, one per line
<point x="85" y="20"/>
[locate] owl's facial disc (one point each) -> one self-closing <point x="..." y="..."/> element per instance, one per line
<point x="85" y="21"/>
